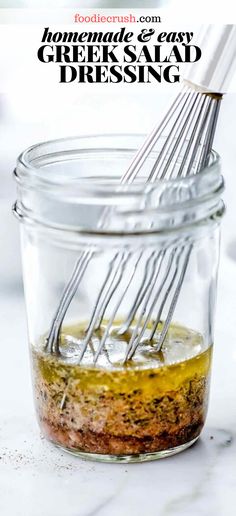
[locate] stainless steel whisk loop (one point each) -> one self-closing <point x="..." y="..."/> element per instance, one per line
<point x="190" y="125"/>
<point x="189" y="122"/>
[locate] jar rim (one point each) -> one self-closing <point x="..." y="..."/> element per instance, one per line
<point x="63" y="203"/>
<point x="26" y="171"/>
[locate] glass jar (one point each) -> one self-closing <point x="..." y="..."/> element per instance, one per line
<point x="127" y="269"/>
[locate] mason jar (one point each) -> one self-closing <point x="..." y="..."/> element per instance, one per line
<point x="120" y="289"/>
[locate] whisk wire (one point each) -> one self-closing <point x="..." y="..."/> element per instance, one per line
<point x="174" y="299"/>
<point x="150" y="142"/>
<point x="144" y="323"/>
<point x="143" y="304"/>
<point x="191" y="122"/>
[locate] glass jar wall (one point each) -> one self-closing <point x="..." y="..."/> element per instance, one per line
<point x="120" y="287"/>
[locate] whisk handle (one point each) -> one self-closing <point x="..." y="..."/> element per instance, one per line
<point x="214" y="70"/>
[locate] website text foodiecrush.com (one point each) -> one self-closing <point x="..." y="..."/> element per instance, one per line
<point x="101" y="18"/>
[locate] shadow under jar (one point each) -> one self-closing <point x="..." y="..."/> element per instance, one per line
<point x="138" y="244"/>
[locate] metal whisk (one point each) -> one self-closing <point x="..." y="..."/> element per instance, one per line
<point x="190" y="124"/>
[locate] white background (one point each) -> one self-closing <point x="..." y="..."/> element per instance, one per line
<point x="36" y="479"/>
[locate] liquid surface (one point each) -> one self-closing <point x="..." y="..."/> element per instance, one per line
<point x="180" y="344"/>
